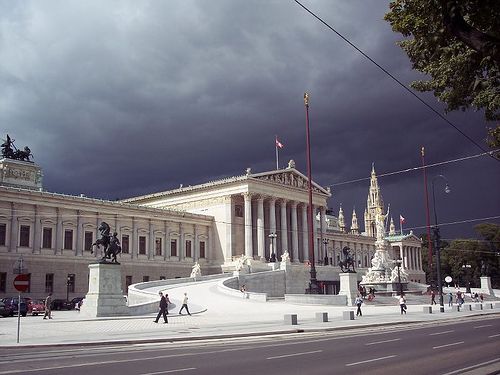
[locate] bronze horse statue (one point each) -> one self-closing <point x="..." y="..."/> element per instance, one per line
<point x="111" y="244"/>
<point x="347" y="265"/>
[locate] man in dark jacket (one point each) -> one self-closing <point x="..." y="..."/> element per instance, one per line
<point x="162" y="308"/>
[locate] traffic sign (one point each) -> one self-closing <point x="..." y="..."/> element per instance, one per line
<point x="22" y="282"/>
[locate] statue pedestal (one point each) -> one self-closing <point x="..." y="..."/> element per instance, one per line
<point x="349" y="286"/>
<point x="486" y="285"/>
<point x="105" y="295"/>
<point x="20" y="174"/>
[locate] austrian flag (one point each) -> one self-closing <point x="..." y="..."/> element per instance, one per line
<point x="401" y="219"/>
<point x="278" y="143"/>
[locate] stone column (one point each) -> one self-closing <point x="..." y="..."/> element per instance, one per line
<point x="315" y="237"/>
<point x="152" y="242"/>
<point x="247" y="197"/>
<point x="401" y="254"/>
<point x="13" y="228"/>
<point x="322" y="222"/>
<point x="79" y="234"/>
<point x="59" y="233"/>
<point x="182" y="243"/>
<point x="166" y="245"/>
<point x="134" y="245"/>
<point x="196" y="244"/>
<point x="228" y="248"/>
<point x="261" y="243"/>
<point x="295" y="233"/>
<point x="284" y="227"/>
<point x="305" y="234"/>
<point x="37" y="243"/>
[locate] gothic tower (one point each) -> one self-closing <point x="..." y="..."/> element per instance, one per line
<point x="341" y="220"/>
<point x="354" y="223"/>
<point x="373" y="202"/>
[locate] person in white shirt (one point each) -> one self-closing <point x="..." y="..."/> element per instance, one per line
<point x="184" y="305"/>
<point x="402" y="304"/>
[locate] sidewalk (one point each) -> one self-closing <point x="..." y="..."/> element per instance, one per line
<point x="214" y="315"/>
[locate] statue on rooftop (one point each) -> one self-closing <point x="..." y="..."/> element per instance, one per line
<point x="10" y="151"/>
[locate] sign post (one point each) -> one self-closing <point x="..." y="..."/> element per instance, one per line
<point x="22" y="284"/>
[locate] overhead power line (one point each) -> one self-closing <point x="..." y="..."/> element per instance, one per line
<point x="392" y="77"/>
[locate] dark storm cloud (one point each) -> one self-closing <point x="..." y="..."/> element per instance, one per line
<point x="121" y="98"/>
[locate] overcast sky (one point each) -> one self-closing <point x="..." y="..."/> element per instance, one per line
<point x="122" y="98"/>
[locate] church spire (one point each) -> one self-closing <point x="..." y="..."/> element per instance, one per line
<point x="354" y="223"/>
<point x="392" y="228"/>
<point x="341" y="219"/>
<point x="374" y="202"/>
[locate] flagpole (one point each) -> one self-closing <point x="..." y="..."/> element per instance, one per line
<point x="429" y="243"/>
<point x="401" y="224"/>
<point x="276" y="146"/>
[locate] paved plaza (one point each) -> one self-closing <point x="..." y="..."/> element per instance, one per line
<point x="214" y="315"/>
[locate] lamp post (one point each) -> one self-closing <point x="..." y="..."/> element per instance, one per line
<point x="398" y="264"/>
<point x="467" y="267"/>
<point x="437" y="238"/>
<point x="313" y="283"/>
<point x="67" y="287"/>
<point x="325" y="242"/>
<point x="272" y="236"/>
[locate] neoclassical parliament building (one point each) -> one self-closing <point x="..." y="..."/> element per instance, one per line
<point x="163" y="234"/>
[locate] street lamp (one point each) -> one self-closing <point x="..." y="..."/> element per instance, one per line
<point x="466" y="267"/>
<point x="68" y="280"/>
<point x="272" y="236"/>
<point x="438" y="241"/>
<point x="398" y="264"/>
<point x="325" y="242"/>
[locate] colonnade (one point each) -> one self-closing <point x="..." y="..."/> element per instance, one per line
<point x="411" y="257"/>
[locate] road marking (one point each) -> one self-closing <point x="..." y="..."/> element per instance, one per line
<point x="370" y="360"/>
<point x="446" y="345"/>
<point x="381" y="342"/>
<point x="441" y="333"/>
<point x="170" y="371"/>
<point x="294" y="354"/>
<point x="483" y="326"/>
<point x="490" y="337"/>
<point x="461" y="370"/>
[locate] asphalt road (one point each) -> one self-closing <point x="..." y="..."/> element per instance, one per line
<point x="437" y="348"/>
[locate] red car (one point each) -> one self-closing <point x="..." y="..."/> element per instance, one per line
<point x="36" y="307"/>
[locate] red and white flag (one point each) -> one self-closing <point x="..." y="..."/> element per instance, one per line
<point x="278" y="143"/>
<point x="401" y="219"/>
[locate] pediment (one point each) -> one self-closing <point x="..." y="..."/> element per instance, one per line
<point x="290" y="178"/>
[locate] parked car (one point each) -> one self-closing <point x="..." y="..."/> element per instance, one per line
<point x="61" y="304"/>
<point x="36" y="307"/>
<point x="5" y="310"/>
<point x="76" y="302"/>
<point x="12" y="304"/>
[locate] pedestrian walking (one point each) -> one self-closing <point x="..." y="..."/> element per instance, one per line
<point x="433" y="297"/>
<point x="184" y="305"/>
<point x="450" y="299"/>
<point x="48" y="307"/>
<point x="359" y="302"/>
<point x="162" y="309"/>
<point x="402" y="304"/>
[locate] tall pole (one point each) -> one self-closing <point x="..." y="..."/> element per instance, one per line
<point x="276" y="146"/>
<point x="313" y="288"/>
<point x="428" y="220"/>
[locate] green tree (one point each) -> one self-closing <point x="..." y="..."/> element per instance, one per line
<point x="457" y="45"/>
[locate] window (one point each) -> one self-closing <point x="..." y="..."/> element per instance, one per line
<point x="3" y="281"/>
<point x="145" y="279"/>
<point x="88" y="238"/>
<point x="202" y="249"/>
<point x="128" y="281"/>
<point x="68" y="239"/>
<point x="24" y="236"/>
<point x="188" y="249"/>
<point x="3" y="233"/>
<point x="238" y="210"/>
<point x="158" y="246"/>
<point x="142" y="245"/>
<point x="49" y="283"/>
<point x="70" y="283"/>
<point x="125" y="244"/>
<point x="173" y="248"/>
<point x="47" y="238"/>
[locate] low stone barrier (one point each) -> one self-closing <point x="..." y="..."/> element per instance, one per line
<point x="322" y="317"/>
<point x="455" y="308"/>
<point x="348" y="315"/>
<point x="478" y="306"/>
<point x="316" y="299"/>
<point x="497" y="305"/>
<point x="427" y="309"/>
<point x="290" y="319"/>
<point x="467" y="307"/>
<point x="488" y="306"/>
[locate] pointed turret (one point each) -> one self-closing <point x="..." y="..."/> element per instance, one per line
<point x="392" y="228"/>
<point x="354" y="223"/>
<point x="341" y="220"/>
<point x="373" y="203"/>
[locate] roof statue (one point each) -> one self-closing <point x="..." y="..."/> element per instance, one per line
<point x="10" y="151"/>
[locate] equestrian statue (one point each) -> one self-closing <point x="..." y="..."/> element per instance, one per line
<point x="111" y="244"/>
<point x="347" y="265"/>
<point x="10" y="151"/>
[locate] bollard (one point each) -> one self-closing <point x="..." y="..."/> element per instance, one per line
<point x="427" y="309"/>
<point x="455" y="308"/>
<point x="478" y="306"/>
<point x="488" y="306"/>
<point x="348" y="315"/>
<point x="322" y="317"/>
<point x="467" y="307"/>
<point x="291" y="319"/>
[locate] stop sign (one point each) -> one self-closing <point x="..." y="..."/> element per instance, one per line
<point x="22" y="282"/>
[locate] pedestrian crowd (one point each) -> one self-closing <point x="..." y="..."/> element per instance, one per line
<point x="163" y="307"/>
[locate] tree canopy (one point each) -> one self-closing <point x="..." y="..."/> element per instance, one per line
<point x="457" y="45"/>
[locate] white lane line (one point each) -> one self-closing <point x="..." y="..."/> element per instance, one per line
<point x="461" y="370"/>
<point x="441" y="333"/>
<point x="170" y="371"/>
<point x="483" y="326"/>
<point x="446" y="345"/>
<point x="490" y="337"/>
<point x="370" y="360"/>
<point x="381" y="342"/>
<point x="294" y="354"/>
